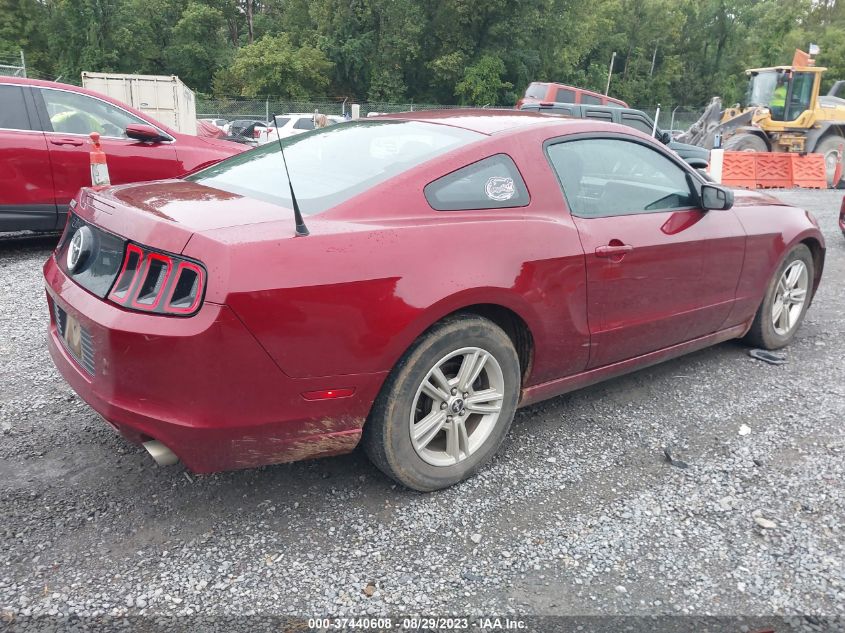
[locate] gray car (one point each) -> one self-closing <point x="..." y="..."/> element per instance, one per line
<point x="696" y="156"/>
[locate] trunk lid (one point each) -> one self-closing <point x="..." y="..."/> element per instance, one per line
<point x="164" y="214"/>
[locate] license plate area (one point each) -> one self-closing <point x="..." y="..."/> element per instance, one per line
<point x="75" y="338"/>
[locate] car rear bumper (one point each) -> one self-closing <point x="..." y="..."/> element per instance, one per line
<point x="202" y="385"/>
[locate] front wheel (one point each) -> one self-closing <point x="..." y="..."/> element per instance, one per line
<point x="785" y="304"/>
<point x="446" y="406"/>
<point x="744" y="142"/>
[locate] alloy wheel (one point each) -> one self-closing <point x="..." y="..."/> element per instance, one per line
<point x="457" y="406"/>
<point x="790" y="297"/>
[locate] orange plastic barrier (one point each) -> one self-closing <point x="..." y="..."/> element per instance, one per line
<point x="739" y="169"/>
<point x="773" y="170"/>
<point x="808" y="171"/>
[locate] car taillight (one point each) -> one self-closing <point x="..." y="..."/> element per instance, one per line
<point x="256" y="133"/>
<point x="152" y="281"/>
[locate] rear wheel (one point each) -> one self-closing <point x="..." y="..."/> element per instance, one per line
<point x="787" y="298"/>
<point x="745" y="143"/>
<point x="447" y="405"/>
<point x="829" y="148"/>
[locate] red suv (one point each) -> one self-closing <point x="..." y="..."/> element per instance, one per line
<point x="541" y="92"/>
<point x="44" y="160"/>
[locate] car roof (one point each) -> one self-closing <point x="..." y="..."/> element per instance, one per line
<point x="563" y="104"/>
<point x="485" y="121"/>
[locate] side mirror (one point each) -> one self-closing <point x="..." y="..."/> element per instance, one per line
<point x="664" y="137"/>
<point x="716" y="198"/>
<point x="145" y="133"/>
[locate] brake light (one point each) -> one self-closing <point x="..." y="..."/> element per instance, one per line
<point x="152" y="281"/>
<point x="256" y="133"/>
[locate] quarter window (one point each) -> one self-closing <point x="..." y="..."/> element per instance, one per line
<point x="74" y="113"/>
<point x="492" y="183"/>
<point x="590" y="99"/>
<point x="13" y="109"/>
<point x="604" y="177"/>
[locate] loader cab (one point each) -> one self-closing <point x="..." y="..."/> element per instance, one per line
<point x="786" y="91"/>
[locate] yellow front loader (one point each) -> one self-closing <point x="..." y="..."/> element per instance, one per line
<point x="782" y="112"/>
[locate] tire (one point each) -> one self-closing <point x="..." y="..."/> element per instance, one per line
<point x="829" y="148"/>
<point x="745" y="143"/>
<point x="443" y="455"/>
<point x="765" y="331"/>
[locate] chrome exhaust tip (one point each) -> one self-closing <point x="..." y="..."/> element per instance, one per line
<point x="162" y="455"/>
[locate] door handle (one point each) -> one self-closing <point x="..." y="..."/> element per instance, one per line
<point x="614" y="250"/>
<point x="66" y="141"/>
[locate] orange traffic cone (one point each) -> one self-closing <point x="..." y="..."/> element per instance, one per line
<point x="99" y="168"/>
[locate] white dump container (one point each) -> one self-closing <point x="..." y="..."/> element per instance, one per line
<point x="165" y="98"/>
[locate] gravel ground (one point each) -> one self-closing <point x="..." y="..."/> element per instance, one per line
<point x="579" y="514"/>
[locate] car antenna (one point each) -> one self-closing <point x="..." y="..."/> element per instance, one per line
<point x="301" y="229"/>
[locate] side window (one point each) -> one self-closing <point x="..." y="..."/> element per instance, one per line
<point x="637" y="122"/>
<point x="590" y="99"/>
<point x="13" y="114"/>
<point x="604" y="177"/>
<point x="304" y="124"/>
<point x="555" y="110"/>
<point x="492" y="183"/>
<point x="599" y="115"/>
<point x="564" y="95"/>
<point x="74" y="113"/>
<point x="802" y="92"/>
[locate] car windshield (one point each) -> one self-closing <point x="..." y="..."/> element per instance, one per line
<point x="331" y="165"/>
<point x="536" y="91"/>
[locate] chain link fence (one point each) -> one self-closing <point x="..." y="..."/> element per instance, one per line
<point x="264" y="109"/>
<point x="671" y="117"/>
<point x="674" y="117"/>
<point x="13" y="65"/>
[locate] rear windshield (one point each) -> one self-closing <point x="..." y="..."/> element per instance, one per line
<point x="536" y="91"/>
<point x="331" y="165"/>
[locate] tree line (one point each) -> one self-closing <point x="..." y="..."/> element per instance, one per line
<point x="426" y="51"/>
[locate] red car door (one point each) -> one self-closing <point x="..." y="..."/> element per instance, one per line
<point x="660" y="270"/>
<point x="26" y="187"/>
<point x="71" y="117"/>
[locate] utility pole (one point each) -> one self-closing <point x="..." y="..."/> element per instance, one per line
<point x="610" y="72"/>
<point x="653" y="59"/>
<point x="23" y="64"/>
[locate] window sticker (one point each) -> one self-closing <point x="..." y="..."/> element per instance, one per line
<point x="500" y="188"/>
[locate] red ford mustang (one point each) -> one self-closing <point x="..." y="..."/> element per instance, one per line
<point x="459" y="265"/>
